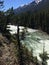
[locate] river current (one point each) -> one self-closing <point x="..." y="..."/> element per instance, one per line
<point x="35" y="39"/>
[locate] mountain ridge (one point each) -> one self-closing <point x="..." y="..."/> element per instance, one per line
<point x="32" y="7"/>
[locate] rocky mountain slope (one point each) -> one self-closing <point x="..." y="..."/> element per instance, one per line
<point x="33" y="7"/>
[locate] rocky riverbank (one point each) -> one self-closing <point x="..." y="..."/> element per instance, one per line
<point x="7" y="55"/>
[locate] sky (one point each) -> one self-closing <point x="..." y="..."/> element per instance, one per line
<point x="15" y="3"/>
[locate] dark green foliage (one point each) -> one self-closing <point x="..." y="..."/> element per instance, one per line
<point x="20" y="50"/>
<point x="2" y="21"/>
<point x="44" y="58"/>
<point x="38" y="20"/>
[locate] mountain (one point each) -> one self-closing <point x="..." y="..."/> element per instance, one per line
<point x="26" y="8"/>
<point x="33" y="6"/>
<point x="43" y="5"/>
<point x="37" y="1"/>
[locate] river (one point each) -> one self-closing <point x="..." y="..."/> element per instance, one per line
<point x="34" y="40"/>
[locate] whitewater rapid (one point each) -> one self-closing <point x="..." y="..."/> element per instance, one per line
<point x="34" y="40"/>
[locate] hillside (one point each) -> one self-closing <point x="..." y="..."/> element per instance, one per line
<point x="33" y="7"/>
<point x="7" y="55"/>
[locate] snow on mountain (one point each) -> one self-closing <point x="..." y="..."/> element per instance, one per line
<point x="37" y="1"/>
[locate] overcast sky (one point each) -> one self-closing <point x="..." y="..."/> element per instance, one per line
<point x="15" y="3"/>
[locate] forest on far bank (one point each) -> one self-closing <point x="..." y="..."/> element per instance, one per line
<point x="38" y="20"/>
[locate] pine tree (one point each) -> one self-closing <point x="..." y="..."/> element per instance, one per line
<point x="1" y="4"/>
